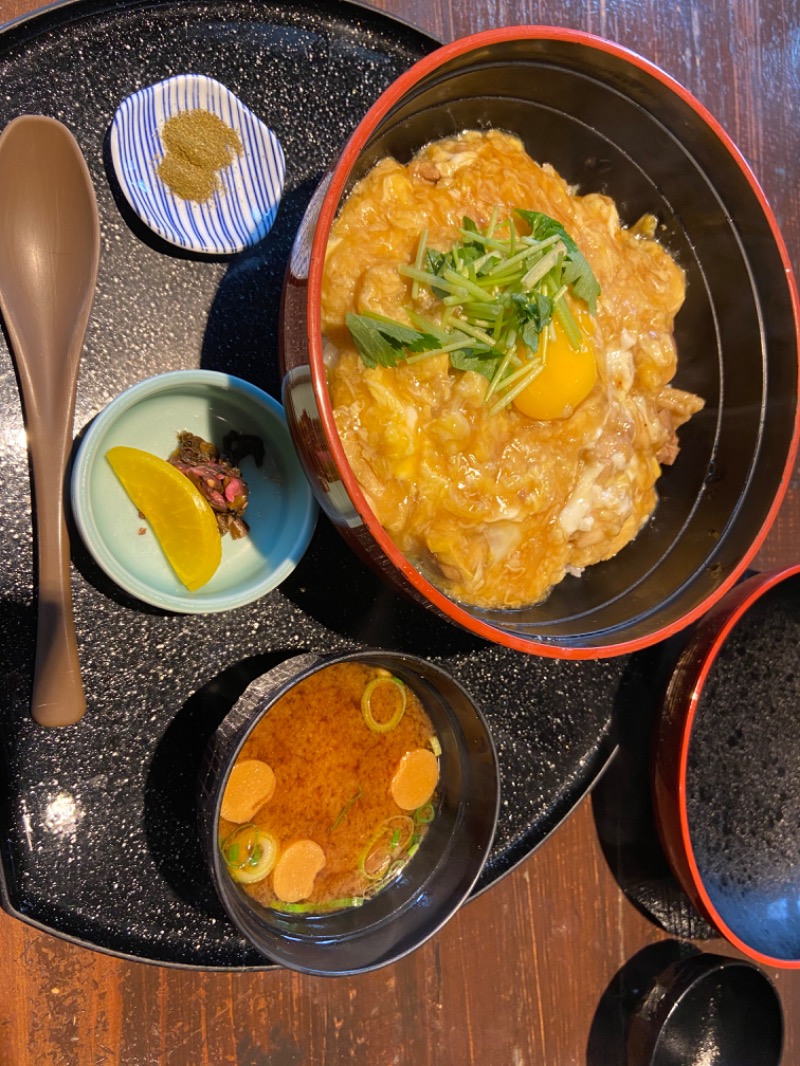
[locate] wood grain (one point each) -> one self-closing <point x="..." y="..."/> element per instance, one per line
<point x="532" y="973"/>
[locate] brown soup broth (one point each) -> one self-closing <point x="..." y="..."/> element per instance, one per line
<point x="333" y="776"/>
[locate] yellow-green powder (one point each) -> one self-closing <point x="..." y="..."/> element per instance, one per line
<point x="198" y="145"/>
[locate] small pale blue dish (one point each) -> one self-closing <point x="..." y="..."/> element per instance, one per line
<point x="281" y="512"/>
<point x="243" y="208"/>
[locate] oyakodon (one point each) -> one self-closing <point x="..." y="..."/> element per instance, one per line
<point x="506" y="439"/>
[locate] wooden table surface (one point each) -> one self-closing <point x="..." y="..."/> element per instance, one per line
<point x="537" y="971"/>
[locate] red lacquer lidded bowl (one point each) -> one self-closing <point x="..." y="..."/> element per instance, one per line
<point x="608" y="121"/>
<point x="726" y="768"/>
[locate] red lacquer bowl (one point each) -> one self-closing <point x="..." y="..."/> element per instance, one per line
<point x="727" y="768"/>
<point x="608" y="121"/>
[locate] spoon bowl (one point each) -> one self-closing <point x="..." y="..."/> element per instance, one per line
<point x="49" y="255"/>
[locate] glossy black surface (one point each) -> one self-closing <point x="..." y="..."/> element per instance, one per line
<point x="98" y="821"/>
<point x="742" y="789"/>
<point x="707" y="1009"/>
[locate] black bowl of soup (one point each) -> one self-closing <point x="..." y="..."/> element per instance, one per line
<point x="540" y="345"/>
<point x="349" y="806"/>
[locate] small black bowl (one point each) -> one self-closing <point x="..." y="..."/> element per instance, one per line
<point x="708" y="1009"/>
<point x="431" y="887"/>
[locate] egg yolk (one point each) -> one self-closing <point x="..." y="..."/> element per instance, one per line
<point x="567" y="378"/>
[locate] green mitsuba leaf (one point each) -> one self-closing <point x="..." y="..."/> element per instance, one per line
<point x="499" y="294"/>
<point x="576" y="271"/>
<point x="383" y="342"/>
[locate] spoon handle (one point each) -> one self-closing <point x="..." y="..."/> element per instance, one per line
<point x="58" y="696"/>
<point x="48" y="388"/>
<point x="48" y="378"/>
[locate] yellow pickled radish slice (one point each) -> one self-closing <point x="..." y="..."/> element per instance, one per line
<point x="182" y="520"/>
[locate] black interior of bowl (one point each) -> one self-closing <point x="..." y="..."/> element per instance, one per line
<point x="742" y="790"/>
<point x="608" y="125"/>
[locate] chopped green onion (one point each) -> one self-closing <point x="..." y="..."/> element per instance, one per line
<point x="377" y="857"/>
<point x="260" y="853"/>
<point x="372" y="870"/>
<point x="430" y="279"/>
<point x="470" y="287"/>
<point x="318" y="908"/>
<point x="568" y="323"/>
<point x="540" y="270"/>
<point x="344" y="811"/>
<point x="423" y="240"/>
<point x="523" y="378"/>
<point x="493" y="220"/>
<point x="366" y="704"/>
<point x="479" y="335"/>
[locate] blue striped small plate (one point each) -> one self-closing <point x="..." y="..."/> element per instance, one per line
<point x="241" y="211"/>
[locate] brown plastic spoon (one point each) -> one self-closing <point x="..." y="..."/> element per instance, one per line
<point x="49" y="252"/>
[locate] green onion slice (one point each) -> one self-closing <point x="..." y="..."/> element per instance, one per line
<point x="386" y="846"/>
<point x="318" y="908"/>
<point x="249" y="854"/>
<point x="345" y="810"/>
<point x="366" y="704"/>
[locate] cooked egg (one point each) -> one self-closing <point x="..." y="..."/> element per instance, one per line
<point x="495" y="501"/>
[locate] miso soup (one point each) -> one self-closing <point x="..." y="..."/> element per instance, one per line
<point x="332" y="792"/>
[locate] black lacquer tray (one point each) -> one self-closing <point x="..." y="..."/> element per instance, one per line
<point x="97" y="821"/>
